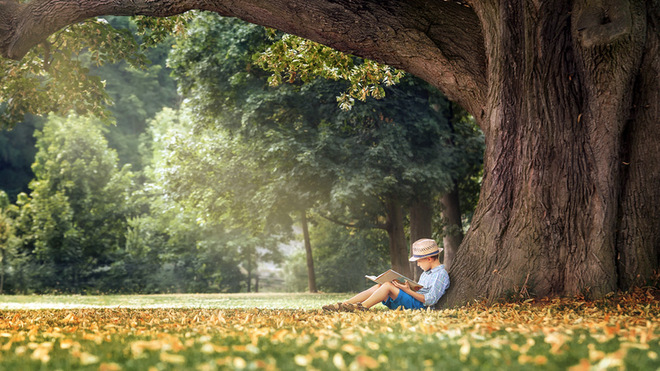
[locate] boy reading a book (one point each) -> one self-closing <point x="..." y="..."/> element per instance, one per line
<point x="395" y="294"/>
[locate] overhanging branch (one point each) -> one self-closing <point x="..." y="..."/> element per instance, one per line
<point x="23" y="26"/>
<point x="439" y="41"/>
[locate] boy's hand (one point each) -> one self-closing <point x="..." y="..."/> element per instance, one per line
<point x="401" y="286"/>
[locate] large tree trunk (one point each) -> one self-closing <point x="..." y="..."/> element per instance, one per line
<point x="397" y="236"/>
<point x="566" y="92"/>
<point x="452" y="236"/>
<point x="556" y="115"/>
<point x="311" y="276"/>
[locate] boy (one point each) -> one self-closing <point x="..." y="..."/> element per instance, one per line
<point x="395" y="294"/>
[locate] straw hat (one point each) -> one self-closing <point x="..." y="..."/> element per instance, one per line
<point x="423" y="249"/>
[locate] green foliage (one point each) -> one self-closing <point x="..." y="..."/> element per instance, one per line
<point x="295" y="272"/>
<point x="53" y="78"/>
<point x="78" y="205"/>
<point x="6" y="232"/>
<point x="213" y="66"/>
<point x="345" y="255"/>
<point x="214" y="238"/>
<point x="86" y="228"/>
<point x="262" y="134"/>
<point x="4" y="200"/>
<point x="292" y="58"/>
<point x="469" y="139"/>
<point x="167" y="251"/>
<point x="399" y="145"/>
<point x="155" y="31"/>
<point x="137" y="93"/>
<point x="8" y="240"/>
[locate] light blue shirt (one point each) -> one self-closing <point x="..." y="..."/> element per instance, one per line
<point x="435" y="282"/>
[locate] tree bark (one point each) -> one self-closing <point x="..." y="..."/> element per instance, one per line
<point x="397" y="236"/>
<point x="565" y="91"/>
<point x="637" y="232"/>
<point x="311" y="275"/>
<point x="453" y="225"/>
<point x="421" y="219"/>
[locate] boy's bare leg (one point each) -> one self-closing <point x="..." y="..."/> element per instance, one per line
<point x="364" y="295"/>
<point x="381" y="293"/>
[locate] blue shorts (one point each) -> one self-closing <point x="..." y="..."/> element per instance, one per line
<point x="403" y="300"/>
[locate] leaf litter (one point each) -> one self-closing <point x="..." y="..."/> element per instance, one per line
<point x="620" y="332"/>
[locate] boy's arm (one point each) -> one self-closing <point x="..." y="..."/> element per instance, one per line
<point x="437" y="288"/>
<point x="408" y="290"/>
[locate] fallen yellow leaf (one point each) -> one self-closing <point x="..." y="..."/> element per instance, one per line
<point x="172" y="358"/>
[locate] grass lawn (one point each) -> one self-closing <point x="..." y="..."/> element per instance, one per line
<point x="220" y="301"/>
<point x="288" y="331"/>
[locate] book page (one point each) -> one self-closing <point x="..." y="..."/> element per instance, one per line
<point x="391" y="275"/>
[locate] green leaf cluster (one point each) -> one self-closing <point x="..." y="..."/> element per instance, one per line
<point x="292" y="58"/>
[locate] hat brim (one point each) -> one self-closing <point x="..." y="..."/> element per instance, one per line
<point x="415" y="258"/>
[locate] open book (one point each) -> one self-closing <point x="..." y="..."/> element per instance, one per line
<point x="391" y="275"/>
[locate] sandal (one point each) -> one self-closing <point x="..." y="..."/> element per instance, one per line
<point x="348" y="307"/>
<point x="333" y="307"/>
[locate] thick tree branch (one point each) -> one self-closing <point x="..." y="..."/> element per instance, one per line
<point x="439" y="41"/>
<point x="22" y="26"/>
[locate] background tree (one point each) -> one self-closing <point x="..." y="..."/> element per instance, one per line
<point x="77" y="206"/>
<point x="401" y="150"/>
<point x="278" y="178"/>
<point x="178" y="161"/>
<point x="345" y="255"/>
<point x="7" y="237"/>
<point x="294" y="59"/>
